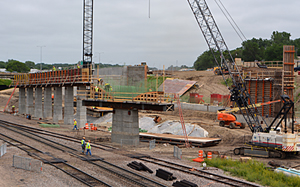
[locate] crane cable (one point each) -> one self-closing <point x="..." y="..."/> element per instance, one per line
<point x="230" y="21"/>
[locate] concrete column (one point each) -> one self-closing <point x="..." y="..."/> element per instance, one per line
<point x="29" y="103"/>
<point x="81" y="110"/>
<point x="57" y="110"/>
<point x="22" y="101"/>
<point x="38" y="106"/>
<point x="47" y="102"/>
<point x="125" y="127"/>
<point x="69" y="106"/>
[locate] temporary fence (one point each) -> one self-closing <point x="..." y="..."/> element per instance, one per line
<point x="221" y="100"/>
<point x="177" y="153"/>
<point x="196" y="98"/>
<point x="152" y="144"/>
<point x="2" y="150"/>
<point x="27" y="164"/>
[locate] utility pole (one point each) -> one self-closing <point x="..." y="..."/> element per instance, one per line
<point x="41" y="54"/>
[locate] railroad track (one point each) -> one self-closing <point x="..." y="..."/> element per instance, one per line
<point x="54" y="134"/>
<point x="56" y="162"/>
<point x="200" y="173"/>
<point x="126" y="175"/>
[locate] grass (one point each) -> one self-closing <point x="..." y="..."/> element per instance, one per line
<point x="6" y="82"/>
<point x="254" y="171"/>
<point x="229" y="82"/>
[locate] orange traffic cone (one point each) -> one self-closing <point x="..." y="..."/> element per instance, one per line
<point x="86" y="126"/>
<point x="209" y="155"/>
<point x="200" y="157"/>
<point x="92" y="126"/>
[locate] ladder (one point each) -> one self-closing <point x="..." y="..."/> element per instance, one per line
<point x="182" y="121"/>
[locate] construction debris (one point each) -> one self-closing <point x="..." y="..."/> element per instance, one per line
<point x="163" y="174"/>
<point x="184" y="183"/>
<point x="139" y="166"/>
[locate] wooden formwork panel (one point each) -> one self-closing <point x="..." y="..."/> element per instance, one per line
<point x="288" y="67"/>
<point x="261" y="91"/>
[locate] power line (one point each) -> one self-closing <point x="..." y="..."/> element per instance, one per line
<point x="230" y="21"/>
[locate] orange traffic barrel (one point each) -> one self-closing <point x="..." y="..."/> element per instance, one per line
<point x="86" y="126"/>
<point x="209" y="155"/>
<point x="200" y="157"/>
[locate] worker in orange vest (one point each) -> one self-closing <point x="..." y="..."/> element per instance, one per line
<point x="88" y="148"/>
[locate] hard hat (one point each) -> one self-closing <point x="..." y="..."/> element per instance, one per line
<point x="74" y="119"/>
<point x="83" y="137"/>
<point x="89" y="140"/>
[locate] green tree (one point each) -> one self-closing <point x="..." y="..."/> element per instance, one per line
<point x="274" y="53"/>
<point x="252" y="51"/>
<point x="30" y="64"/>
<point x="205" y="60"/>
<point x="14" y="65"/>
<point x="2" y="64"/>
<point x="281" y="38"/>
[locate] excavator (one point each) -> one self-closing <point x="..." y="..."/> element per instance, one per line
<point x="267" y="142"/>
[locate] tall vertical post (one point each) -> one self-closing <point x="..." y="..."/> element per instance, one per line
<point x="29" y="101"/>
<point x="47" y="102"/>
<point x="68" y="109"/>
<point x="38" y="106"/>
<point x="87" y="34"/>
<point x="22" y="101"/>
<point x="57" y="112"/>
<point x="81" y="110"/>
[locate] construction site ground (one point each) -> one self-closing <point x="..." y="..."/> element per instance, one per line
<point x="231" y="138"/>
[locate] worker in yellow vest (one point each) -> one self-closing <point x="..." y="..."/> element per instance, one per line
<point x="100" y="81"/>
<point x="96" y="91"/>
<point x="13" y="109"/>
<point x="54" y="69"/>
<point x="75" y="125"/>
<point x="83" y="144"/>
<point x="88" y="148"/>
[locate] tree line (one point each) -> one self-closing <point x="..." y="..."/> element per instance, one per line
<point x="24" y="67"/>
<point x="252" y="50"/>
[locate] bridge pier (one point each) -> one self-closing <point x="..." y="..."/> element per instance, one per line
<point x="80" y="109"/>
<point x="47" y="102"/>
<point x="29" y="101"/>
<point x="22" y="101"/>
<point x="38" y="105"/>
<point x="68" y="109"/>
<point x="125" y="127"/>
<point x="57" y="110"/>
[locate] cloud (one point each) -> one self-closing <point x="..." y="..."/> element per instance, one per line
<point x="124" y="33"/>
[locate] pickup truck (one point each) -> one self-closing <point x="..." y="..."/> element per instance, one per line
<point x="296" y="69"/>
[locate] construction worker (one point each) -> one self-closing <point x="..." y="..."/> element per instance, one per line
<point x="96" y="91"/>
<point x="83" y="144"/>
<point x="78" y="66"/>
<point x="107" y="87"/>
<point x="100" y="81"/>
<point x="13" y="109"/>
<point x="75" y="125"/>
<point x="88" y="148"/>
<point x="54" y="69"/>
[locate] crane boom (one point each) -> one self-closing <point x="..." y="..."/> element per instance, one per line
<point x="216" y="43"/>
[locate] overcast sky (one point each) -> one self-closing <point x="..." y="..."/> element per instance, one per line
<point x="124" y="33"/>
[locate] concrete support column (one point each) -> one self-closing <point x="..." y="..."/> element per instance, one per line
<point x="38" y="106"/>
<point x="22" y="101"/>
<point x="125" y="127"/>
<point x="81" y="110"/>
<point x="29" y="102"/>
<point x="57" y="110"/>
<point x="69" y="106"/>
<point x="47" y="102"/>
